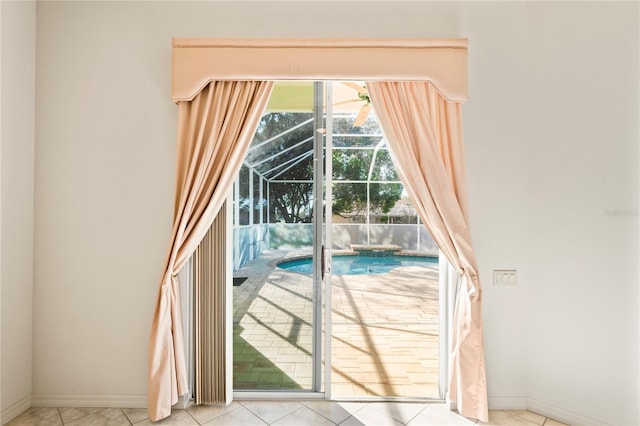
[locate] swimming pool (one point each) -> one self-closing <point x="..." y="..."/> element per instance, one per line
<point x="359" y="265"/>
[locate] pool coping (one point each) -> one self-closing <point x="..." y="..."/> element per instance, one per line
<point x="339" y="252"/>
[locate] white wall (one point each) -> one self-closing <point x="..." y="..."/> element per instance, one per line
<point x="104" y="182"/>
<point x="16" y="190"/>
<point x="545" y="161"/>
<point x="1" y="215"/>
<point x="551" y="132"/>
<point x="496" y="151"/>
<point x="583" y="300"/>
<point x="105" y="165"/>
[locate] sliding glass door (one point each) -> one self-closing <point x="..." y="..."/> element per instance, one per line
<point x="319" y="179"/>
<point x="278" y="233"/>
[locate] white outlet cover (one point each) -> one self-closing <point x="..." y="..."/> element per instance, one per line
<point x="504" y="278"/>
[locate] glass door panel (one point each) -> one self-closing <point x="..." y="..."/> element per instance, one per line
<point x="384" y="320"/>
<point x="277" y="248"/>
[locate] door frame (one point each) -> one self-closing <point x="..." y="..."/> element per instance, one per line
<point x="322" y="243"/>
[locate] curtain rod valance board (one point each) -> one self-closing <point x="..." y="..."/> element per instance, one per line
<point x="197" y="61"/>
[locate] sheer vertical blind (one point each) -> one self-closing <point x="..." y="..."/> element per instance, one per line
<point x="210" y="345"/>
<point x="201" y="66"/>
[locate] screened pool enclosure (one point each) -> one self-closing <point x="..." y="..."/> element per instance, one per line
<point x="273" y="193"/>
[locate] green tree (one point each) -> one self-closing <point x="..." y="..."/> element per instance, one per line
<point x="292" y="201"/>
<point x="289" y="202"/>
<point x="354" y="165"/>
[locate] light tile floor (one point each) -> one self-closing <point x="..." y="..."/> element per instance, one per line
<point x="290" y="413"/>
<point x="384" y="330"/>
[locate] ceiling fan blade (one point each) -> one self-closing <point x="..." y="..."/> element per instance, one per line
<point x="356" y="87"/>
<point x="362" y="115"/>
<point x="348" y="101"/>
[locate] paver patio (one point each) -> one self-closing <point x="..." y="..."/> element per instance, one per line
<point x="384" y="330"/>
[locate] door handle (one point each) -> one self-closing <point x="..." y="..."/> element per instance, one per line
<point x="322" y="263"/>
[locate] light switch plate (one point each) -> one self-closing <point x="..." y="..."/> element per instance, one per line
<point x="505" y="278"/>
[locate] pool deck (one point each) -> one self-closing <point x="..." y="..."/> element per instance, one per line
<point x="384" y="330"/>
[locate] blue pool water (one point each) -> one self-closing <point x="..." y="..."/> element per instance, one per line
<point x="360" y="265"/>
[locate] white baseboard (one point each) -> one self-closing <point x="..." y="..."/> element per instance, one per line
<point x="508" y="403"/>
<point x="15" y="410"/>
<point x="106" y="401"/>
<point x="543" y="409"/>
<point x="560" y="414"/>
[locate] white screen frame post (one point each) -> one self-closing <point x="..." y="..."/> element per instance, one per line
<point x="328" y="198"/>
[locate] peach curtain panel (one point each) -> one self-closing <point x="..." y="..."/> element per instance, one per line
<point x="424" y="132"/>
<point x="215" y="130"/>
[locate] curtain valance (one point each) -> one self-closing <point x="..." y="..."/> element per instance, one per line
<point x="197" y="61"/>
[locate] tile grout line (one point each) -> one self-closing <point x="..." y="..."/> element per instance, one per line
<point x="125" y="414"/>
<point x="194" y="419"/>
<point x="126" y="417"/>
<point x="317" y="412"/>
<point x="425" y="407"/>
